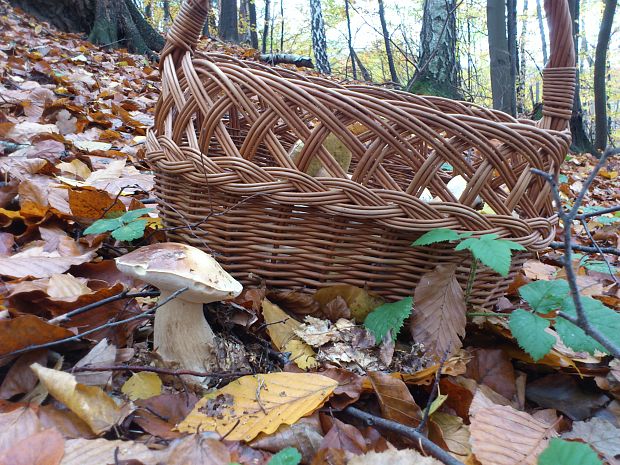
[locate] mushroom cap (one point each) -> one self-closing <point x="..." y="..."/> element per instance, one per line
<point x="171" y="266"/>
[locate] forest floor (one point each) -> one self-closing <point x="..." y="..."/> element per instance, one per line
<point x="88" y="389"/>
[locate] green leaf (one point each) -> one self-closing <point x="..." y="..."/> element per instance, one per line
<point x="101" y="226"/>
<point x="390" y="316"/>
<point x="440" y="235"/>
<point x="134" y="214"/>
<point x="491" y="251"/>
<point x="599" y="266"/>
<point x="561" y="452"/>
<point x="288" y="456"/>
<point x="544" y="296"/>
<point x="601" y="317"/>
<point x="529" y="330"/>
<point x="131" y="231"/>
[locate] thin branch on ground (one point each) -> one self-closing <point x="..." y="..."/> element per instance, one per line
<point x="123" y="295"/>
<point x="425" y="444"/>
<point x="567" y="217"/>
<point x="584" y="223"/>
<point x="161" y="371"/>
<point x="600" y="212"/>
<point x="434" y="391"/>
<point x="110" y="324"/>
<point x="586" y="248"/>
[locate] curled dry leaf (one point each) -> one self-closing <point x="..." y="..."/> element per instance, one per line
<point x="20" y="379"/>
<point x="89" y="403"/>
<point x="395" y="399"/>
<point x="305" y="435"/>
<point x="27" y="330"/>
<point x="438" y="319"/>
<point x="258" y="404"/>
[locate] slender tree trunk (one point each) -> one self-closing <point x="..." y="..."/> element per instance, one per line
<point x="319" y="41"/>
<point x="253" y="24"/>
<point x="228" y="21"/>
<point x="522" y="63"/>
<point x="266" y="26"/>
<point x="350" y="40"/>
<point x="281" y="26"/>
<point x="148" y="10"/>
<point x="541" y="26"/>
<point x="511" y="29"/>
<point x="388" y="46"/>
<point x="600" y="69"/>
<point x="166" y="8"/>
<point x="581" y="141"/>
<point x="244" y="22"/>
<point x="438" y="70"/>
<point x="502" y="85"/>
<point x="366" y="76"/>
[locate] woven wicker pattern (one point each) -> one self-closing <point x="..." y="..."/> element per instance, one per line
<point x="237" y="145"/>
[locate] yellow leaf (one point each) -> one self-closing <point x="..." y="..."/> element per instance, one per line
<point x="281" y="329"/>
<point x="358" y="300"/>
<point x="258" y="404"/>
<point x="76" y="168"/>
<point x="143" y="385"/>
<point x="609" y="174"/>
<point x="90" y="403"/>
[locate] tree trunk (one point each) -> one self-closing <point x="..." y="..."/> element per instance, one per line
<point x="438" y="70"/>
<point x="166" y="7"/>
<point x="350" y="40"/>
<point x="244" y="22"/>
<point x="581" y="141"/>
<point x="281" y="26"/>
<point x="266" y="26"/>
<point x="541" y="26"/>
<point x="319" y="41"/>
<point x="116" y="23"/>
<point x="502" y="85"/>
<point x="511" y="29"/>
<point x="366" y="76"/>
<point x="253" y="24"/>
<point x="522" y="63"/>
<point x="388" y="46"/>
<point x="228" y="21"/>
<point x="148" y="10"/>
<point x="600" y="68"/>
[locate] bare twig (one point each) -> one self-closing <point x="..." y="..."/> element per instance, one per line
<point x="584" y="223"/>
<point x="425" y="444"/>
<point x="431" y="398"/>
<point x="123" y="295"/>
<point x="600" y="212"/>
<point x="111" y="324"/>
<point x="161" y="371"/>
<point x="567" y="217"/>
<point x="586" y="248"/>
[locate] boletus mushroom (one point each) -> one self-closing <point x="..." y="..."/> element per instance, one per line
<point x="182" y="335"/>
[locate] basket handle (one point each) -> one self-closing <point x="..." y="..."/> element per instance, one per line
<point x="558" y="76"/>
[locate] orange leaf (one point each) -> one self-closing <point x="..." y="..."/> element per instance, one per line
<point x="27" y="330"/>
<point x="93" y="204"/>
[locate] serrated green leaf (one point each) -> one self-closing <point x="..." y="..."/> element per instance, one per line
<point x="491" y="251"/>
<point x="561" y="452"/>
<point x="288" y="456"/>
<point x="544" y="296"/>
<point x="390" y="316"/>
<point x="131" y="231"/>
<point x="599" y="266"/>
<point x="101" y="226"/>
<point x="440" y="235"/>
<point x="134" y="214"/>
<point x="606" y="320"/>
<point x="529" y="331"/>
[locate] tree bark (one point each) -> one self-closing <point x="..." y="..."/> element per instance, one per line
<point x="522" y="63"/>
<point x="581" y="142"/>
<point x="511" y="29"/>
<point x="266" y="27"/>
<point x="388" y="46"/>
<point x="350" y="40"/>
<point x="502" y="85"/>
<point x="228" y="21"/>
<point x="600" y="69"/>
<point x="253" y="24"/>
<point x="541" y="27"/>
<point x="244" y="22"/>
<point x="116" y="23"/>
<point x="319" y="41"/>
<point x="438" y="70"/>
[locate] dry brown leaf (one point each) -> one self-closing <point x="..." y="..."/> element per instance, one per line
<point x="20" y="379"/>
<point x="43" y="448"/>
<point x="103" y="354"/>
<point x="281" y="329"/>
<point x="455" y="434"/>
<point x="103" y="451"/>
<point x="393" y="457"/>
<point x="599" y="433"/>
<point x="142" y="385"/>
<point x="26" y="330"/>
<point x="159" y="415"/>
<point x="16" y="425"/>
<point x="438" y="319"/>
<point x="305" y="435"/>
<point x="89" y="403"/>
<point x="90" y="205"/>
<point x="196" y="449"/>
<point x="395" y="399"/>
<point x="258" y="404"/>
<point x="502" y="435"/>
<point x="357" y="299"/>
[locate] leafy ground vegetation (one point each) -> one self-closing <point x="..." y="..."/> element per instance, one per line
<point x="301" y="378"/>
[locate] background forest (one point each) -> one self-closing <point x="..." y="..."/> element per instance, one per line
<point x="399" y="42"/>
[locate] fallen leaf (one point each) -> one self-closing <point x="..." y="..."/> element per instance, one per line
<point x="258" y="404"/>
<point x="142" y="385"/>
<point x="159" y="415"/>
<point x="103" y="451"/>
<point x="196" y="449"/>
<point x="27" y="330"/>
<point x="360" y="301"/>
<point x="46" y="447"/>
<point x="493" y="368"/>
<point x="438" y="318"/>
<point x="395" y="399"/>
<point x="16" y="425"/>
<point x="20" y="379"/>
<point x="103" y="354"/>
<point x="599" y="433"/>
<point x="89" y="403"/>
<point x="455" y="434"/>
<point x="305" y="435"/>
<point x="393" y="457"/>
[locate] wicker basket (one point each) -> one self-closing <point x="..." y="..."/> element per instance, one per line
<point x="225" y="131"/>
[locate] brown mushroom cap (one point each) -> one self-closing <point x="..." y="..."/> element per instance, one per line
<point x="171" y="266"/>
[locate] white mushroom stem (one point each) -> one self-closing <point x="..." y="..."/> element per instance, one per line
<point x="183" y="336"/>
